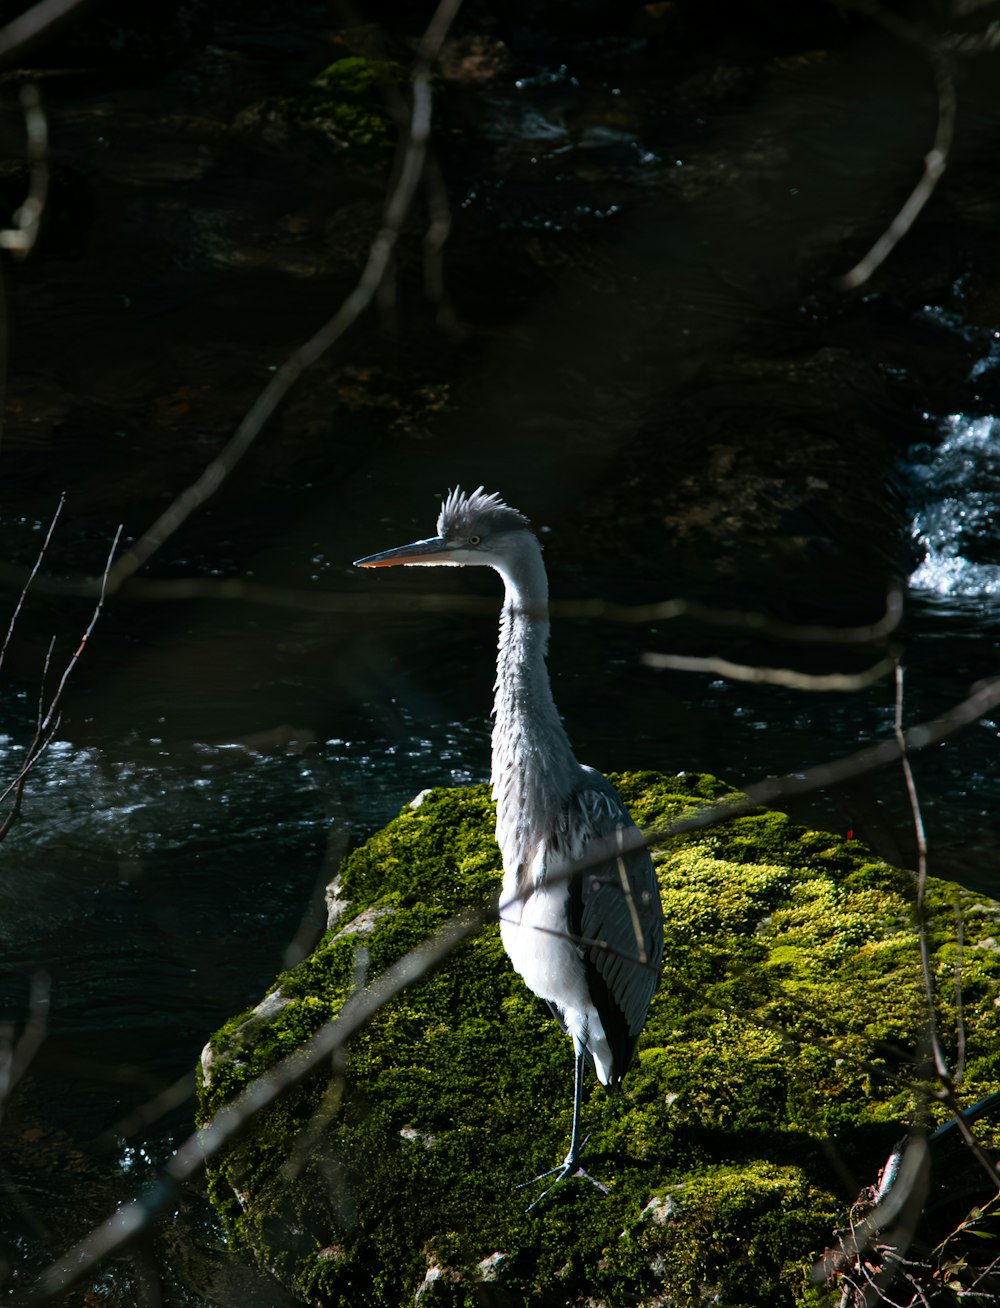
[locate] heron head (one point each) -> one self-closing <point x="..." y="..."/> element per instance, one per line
<point x="472" y="529"/>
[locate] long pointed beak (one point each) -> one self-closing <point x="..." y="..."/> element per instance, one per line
<point x="434" y="550"/>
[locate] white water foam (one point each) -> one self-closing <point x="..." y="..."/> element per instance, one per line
<point x="957" y="521"/>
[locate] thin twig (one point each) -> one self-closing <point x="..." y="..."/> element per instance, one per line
<point x="94" y="618"/>
<point x="34" y="752"/>
<point x="49" y="723"/>
<point x="877" y="1261"/>
<point x="772" y="790"/>
<point x="984" y="1273"/>
<point x="308" y="1138"/>
<point x="46" y="664"/>
<point x="585" y="942"/>
<point x="31" y="577"/>
<point x="959" y="1072"/>
<point x="175" y="1094"/>
<point x="908" y="1276"/>
<point x="920" y="835"/>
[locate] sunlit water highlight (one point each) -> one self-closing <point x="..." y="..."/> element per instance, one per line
<point x="957" y="506"/>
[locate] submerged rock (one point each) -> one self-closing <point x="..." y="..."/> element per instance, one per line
<point x="779" y="1059"/>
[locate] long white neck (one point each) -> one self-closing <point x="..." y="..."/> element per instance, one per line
<point x="533" y="764"/>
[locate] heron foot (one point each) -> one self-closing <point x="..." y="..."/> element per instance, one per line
<point x="569" y="1169"/>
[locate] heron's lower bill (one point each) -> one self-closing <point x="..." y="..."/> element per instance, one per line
<point x="433" y="550"/>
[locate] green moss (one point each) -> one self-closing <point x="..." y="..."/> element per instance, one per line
<point x="348" y="104"/>
<point x="787" y="1016"/>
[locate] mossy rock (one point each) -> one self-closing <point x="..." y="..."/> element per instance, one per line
<point x="347" y="106"/>
<point x="782" y="1034"/>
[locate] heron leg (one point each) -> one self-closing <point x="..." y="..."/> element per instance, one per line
<point x="574" y="1141"/>
<point x="570" y="1165"/>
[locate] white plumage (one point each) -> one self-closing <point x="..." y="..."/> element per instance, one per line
<point x="580" y="914"/>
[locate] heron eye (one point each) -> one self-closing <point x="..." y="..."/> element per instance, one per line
<point x="474" y="540"/>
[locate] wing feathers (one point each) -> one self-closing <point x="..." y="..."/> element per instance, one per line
<point x="615" y="911"/>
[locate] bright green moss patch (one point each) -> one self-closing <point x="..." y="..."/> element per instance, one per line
<point x="351" y="105"/>
<point x="783" y="1030"/>
<point x="347" y="103"/>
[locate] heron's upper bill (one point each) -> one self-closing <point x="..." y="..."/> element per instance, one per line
<point x="434" y="550"/>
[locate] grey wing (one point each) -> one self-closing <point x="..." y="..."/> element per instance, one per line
<point x="616" y="914"/>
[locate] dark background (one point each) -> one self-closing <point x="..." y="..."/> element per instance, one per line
<point x="643" y="344"/>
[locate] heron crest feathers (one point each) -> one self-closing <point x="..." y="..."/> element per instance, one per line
<point x="477" y="512"/>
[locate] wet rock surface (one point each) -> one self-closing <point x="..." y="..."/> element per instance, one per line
<point x="778" y="1059"/>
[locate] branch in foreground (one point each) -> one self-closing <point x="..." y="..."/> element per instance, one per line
<point x="251" y="592"/>
<point x="414" y="150"/>
<point x="774" y="789"/>
<point x="191" y="1157"/>
<point x="223" y="1128"/>
<point x="31" y="577"/>
<point x="936" y="159"/>
<point x="873" y="1255"/>
<point x="839" y="681"/>
<point x="49" y="718"/>
<point x="22" y="236"/>
<point x="36" y="22"/>
<point x="920" y="835"/>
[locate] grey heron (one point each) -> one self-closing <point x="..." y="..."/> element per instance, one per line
<point x="580" y="913"/>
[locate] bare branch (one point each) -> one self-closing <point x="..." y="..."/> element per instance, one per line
<point x="582" y="942"/>
<point x="50" y="718"/>
<point x="959" y="1005"/>
<point x="168" y="1099"/>
<point x="898" y="1203"/>
<point x="40" y="713"/>
<point x="810" y="633"/>
<point x="413" y="148"/>
<point x="936" y="159"/>
<point x="21" y="238"/>
<point x="308" y="1138"/>
<point x="774" y="789"/>
<point x="34" y="23"/>
<point x="235" y="588"/>
<point x="930" y="998"/>
<point x="771" y="790"/>
<point x="95" y="616"/>
<point x="838" y="681"/>
<point x="132" y="1218"/>
<point x="31" y="577"/>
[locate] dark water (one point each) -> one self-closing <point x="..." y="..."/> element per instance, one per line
<point x="217" y="758"/>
